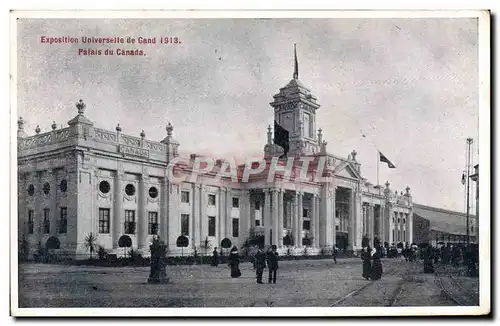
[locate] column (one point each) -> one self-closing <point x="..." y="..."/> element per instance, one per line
<point x="275" y="218"/>
<point x="252" y="211"/>
<point x="352" y="221"/>
<point x="317" y="223"/>
<point x="203" y="231"/>
<point x="371" y="223"/>
<point x="195" y="225"/>
<point x="300" y="219"/>
<point x="313" y="220"/>
<point x="221" y="221"/>
<point x="332" y="216"/>
<point x="228" y="219"/>
<point x="381" y="218"/>
<point x="164" y="212"/>
<point x="53" y="206"/>
<point x="266" y="217"/>
<point x="245" y="216"/>
<point x="410" y="226"/>
<point x="358" y="219"/>
<point x="364" y="211"/>
<point x="172" y="221"/>
<point x="280" y="218"/>
<point x="295" y="215"/>
<point x="142" y="223"/>
<point x="116" y="225"/>
<point x="388" y="223"/>
<point x="38" y="210"/>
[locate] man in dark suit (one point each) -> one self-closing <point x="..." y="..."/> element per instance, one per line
<point x="260" y="264"/>
<point x="272" y="264"/>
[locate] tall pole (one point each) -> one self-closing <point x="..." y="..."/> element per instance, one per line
<point x="469" y="142"/>
<point x="378" y="163"/>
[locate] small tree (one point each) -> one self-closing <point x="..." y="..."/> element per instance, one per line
<point x="125" y="242"/>
<point x="226" y="243"/>
<point x="182" y="242"/>
<point x="90" y="243"/>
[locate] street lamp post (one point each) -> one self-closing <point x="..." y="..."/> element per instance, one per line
<point x="469" y="142"/>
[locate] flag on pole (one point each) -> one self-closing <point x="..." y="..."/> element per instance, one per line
<point x="281" y="137"/>
<point x="463" y="178"/>
<point x="386" y="160"/>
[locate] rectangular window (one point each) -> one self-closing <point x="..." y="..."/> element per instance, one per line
<point x="404" y="235"/>
<point x="336" y="227"/>
<point x="185" y="197"/>
<point x="393" y="238"/>
<point x="129" y="221"/>
<point x="63" y="220"/>
<point x="185" y="224"/>
<point x="304" y="212"/>
<point x="236" y="202"/>
<point x="257" y="205"/>
<point x="211" y="200"/>
<point x="236" y="227"/>
<point x="46" y="220"/>
<point x="211" y="226"/>
<point x="31" y="221"/>
<point x="153" y="223"/>
<point x="104" y="220"/>
<point x="257" y="222"/>
<point x="306" y="225"/>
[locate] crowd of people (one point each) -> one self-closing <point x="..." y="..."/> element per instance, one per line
<point x="371" y="257"/>
<point x="451" y="254"/>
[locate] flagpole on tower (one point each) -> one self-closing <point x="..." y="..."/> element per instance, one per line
<point x="378" y="164"/>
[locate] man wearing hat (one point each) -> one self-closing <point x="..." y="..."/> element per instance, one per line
<point x="272" y="264"/>
<point x="260" y="264"/>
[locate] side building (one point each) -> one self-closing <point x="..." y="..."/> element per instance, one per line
<point x="436" y="225"/>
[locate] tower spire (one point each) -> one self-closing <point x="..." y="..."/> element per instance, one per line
<point x="296" y="66"/>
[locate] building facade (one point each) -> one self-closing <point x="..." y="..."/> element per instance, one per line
<point x="82" y="179"/>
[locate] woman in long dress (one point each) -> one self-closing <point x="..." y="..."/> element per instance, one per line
<point x="377" y="270"/>
<point x="366" y="256"/>
<point x="234" y="263"/>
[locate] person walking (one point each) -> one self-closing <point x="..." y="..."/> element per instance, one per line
<point x="366" y="256"/>
<point x="260" y="264"/>
<point x="272" y="264"/>
<point x="215" y="258"/>
<point x="234" y="263"/>
<point x="376" y="271"/>
<point x="428" y="254"/>
<point x="334" y="253"/>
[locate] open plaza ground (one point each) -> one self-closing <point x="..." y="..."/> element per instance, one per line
<point x="301" y="283"/>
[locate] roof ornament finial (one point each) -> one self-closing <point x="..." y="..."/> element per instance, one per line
<point x="169" y="129"/>
<point x="20" y="123"/>
<point x="54" y="125"/>
<point x="37" y="130"/>
<point x="81" y="107"/>
<point x="296" y="66"/>
<point x="118" y="127"/>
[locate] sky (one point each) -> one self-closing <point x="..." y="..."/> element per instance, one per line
<point x="409" y="85"/>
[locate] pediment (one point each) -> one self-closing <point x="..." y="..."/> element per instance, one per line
<point x="347" y="170"/>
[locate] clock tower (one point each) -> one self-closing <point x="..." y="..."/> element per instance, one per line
<point x="295" y="110"/>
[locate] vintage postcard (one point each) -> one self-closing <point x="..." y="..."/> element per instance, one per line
<point x="281" y="163"/>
